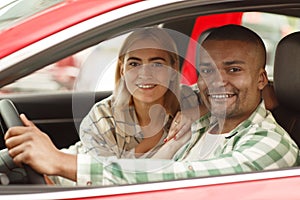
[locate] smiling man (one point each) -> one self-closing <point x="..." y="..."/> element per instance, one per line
<point x="237" y="135"/>
<point x="232" y="75"/>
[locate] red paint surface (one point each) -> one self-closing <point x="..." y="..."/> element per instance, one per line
<point x="53" y="20"/>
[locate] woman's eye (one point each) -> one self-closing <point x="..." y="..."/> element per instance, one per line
<point x="206" y="71"/>
<point x="156" y="64"/>
<point x="134" y="64"/>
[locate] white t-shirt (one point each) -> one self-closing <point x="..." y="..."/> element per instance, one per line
<point x="206" y="146"/>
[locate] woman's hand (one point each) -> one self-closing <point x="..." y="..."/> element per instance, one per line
<point x="183" y="121"/>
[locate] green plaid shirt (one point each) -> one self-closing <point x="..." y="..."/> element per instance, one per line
<point x="258" y="143"/>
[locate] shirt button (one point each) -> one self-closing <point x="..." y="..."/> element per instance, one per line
<point x="89" y="183"/>
<point x="190" y="167"/>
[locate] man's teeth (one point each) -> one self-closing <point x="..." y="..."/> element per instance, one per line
<point x="147" y="86"/>
<point x="220" y="96"/>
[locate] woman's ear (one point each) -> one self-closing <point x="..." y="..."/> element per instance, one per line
<point x="262" y="79"/>
<point x="175" y="70"/>
<point x="121" y="68"/>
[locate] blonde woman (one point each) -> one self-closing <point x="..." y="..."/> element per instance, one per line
<point x="135" y="120"/>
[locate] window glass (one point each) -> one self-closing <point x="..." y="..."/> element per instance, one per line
<point x="271" y="28"/>
<point x="93" y="69"/>
<point x="97" y="69"/>
<point x="12" y="11"/>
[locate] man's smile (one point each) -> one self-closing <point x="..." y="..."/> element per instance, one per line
<point x="220" y="96"/>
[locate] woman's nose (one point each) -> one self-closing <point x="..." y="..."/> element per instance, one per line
<point x="146" y="70"/>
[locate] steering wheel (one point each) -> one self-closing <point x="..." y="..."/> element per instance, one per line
<point x="10" y="118"/>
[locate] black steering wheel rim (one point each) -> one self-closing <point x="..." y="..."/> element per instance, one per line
<point x="11" y="118"/>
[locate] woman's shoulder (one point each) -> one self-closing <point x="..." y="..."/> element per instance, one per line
<point x="106" y="102"/>
<point x="189" y="88"/>
<point x="189" y="96"/>
<point x="103" y="107"/>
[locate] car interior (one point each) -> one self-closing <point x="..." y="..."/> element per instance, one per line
<point x="287" y="84"/>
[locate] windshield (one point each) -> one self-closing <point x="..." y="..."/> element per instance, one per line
<point x="12" y="11"/>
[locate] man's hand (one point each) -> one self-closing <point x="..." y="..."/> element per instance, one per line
<point x="28" y="145"/>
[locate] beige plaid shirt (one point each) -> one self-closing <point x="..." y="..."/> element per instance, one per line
<point x="105" y="132"/>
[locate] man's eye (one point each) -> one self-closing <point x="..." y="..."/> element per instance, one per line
<point x="234" y="69"/>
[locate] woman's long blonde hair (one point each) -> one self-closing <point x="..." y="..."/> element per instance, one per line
<point x="166" y="43"/>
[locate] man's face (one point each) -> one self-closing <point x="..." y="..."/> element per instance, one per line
<point x="230" y="80"/>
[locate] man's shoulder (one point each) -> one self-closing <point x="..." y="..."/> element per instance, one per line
<point x="202" y="123"/>
<point x="189" y="97"/>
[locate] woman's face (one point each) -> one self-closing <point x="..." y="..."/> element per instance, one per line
<point x="147" y="71"/>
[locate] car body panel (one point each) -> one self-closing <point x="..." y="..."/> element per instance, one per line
<point x="261" y="185"/>
<point x="57" y="18"/>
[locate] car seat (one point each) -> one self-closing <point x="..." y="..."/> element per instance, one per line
<point x="287" y="84"/>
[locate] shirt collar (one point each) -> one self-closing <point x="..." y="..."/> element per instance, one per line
<point x="256" y="117"/>
<point x="206" y="121"/>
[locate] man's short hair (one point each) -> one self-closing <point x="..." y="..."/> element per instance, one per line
<point x="240" y="33"/>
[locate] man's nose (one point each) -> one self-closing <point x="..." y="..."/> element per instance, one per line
<point x="220" y="78"/>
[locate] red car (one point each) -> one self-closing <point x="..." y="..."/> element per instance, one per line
<point x="49" y="67"/>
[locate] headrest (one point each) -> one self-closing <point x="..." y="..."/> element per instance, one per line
<point x="287" y="72"/>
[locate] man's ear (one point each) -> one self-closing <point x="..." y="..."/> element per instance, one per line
<point x="262" y="79"/>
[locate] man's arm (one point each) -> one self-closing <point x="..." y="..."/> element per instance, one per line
<point x="253" y="153"/>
